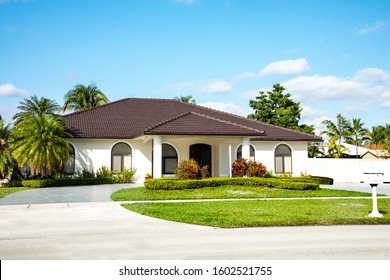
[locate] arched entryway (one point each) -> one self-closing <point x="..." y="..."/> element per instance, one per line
<point x="201" y="153"/>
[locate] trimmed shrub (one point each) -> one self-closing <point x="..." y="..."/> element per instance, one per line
<point x="239" y="168"/>
<point x="175" y="184"/>
<point x="87" y="174"/>
<point x="104" y="172"/>
<point x="242" y="167"/>
<point x="255" y="169"/>
<point x="126" y="176"/>
<point x="44" y="183"/>
<point x="322" y="180"/>
<point x="204" y="172"/>
<point x="187" y="169"/>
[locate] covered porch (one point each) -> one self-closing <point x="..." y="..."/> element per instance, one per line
<point x="218" y="152"/>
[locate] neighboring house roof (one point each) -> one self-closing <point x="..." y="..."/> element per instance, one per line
<point x="135" y="117"/>
<point x="362" y="151"/>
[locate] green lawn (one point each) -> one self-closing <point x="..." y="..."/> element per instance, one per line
<point x="142" y="193"/>
<point x="230" y="214"/>
<point x="5" y="191"/>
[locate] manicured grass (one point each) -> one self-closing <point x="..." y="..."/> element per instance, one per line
<point x="230" y="214"/>
<point x="5" y="191"/>
<point x="225" y="192"/>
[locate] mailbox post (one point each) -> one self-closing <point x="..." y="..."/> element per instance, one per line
<point x="374" y="179"/>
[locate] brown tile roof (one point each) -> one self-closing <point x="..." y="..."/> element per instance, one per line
<point x="192" y="123"/>
<point x="133" y="117"/>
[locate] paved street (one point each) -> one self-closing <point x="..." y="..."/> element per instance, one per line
<point x="105" y="230"/>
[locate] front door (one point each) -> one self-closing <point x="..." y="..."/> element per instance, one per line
<point x="201" y="153"/>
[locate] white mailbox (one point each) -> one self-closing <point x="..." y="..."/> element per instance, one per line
<point x="374" y="179"/>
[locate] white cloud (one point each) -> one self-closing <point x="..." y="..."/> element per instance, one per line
<point x="227" y="107"/>
<point x="8" y="111"/>
<point x="316" y="87"/>
<point x="215" y="86"/>
<point x="11" y="90"/>
<point x="286" y="67"/>
<point x="371" y="75"/>
<point x="370" y="28"/>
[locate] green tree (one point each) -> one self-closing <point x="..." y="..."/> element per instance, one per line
<point x="186" y="99"/>
<point x="380" y="135"/>
<point x="358" y="134"/>
<point x="84" y="97"/>
<point x="277" y="108"/>
<point x="39" y="141"/>
<point x="6" y="163"/>
<point x="36" y="107"/>
<point x="337" y="132"/>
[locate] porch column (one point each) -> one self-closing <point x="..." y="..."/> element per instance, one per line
<point x="246" y="147"/>
<point x="157" y="156"/>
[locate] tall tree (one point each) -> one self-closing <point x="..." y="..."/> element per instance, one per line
<point x="278" y="108"/>
<point x="380" y="135"/>
<point x="358" y="134"/>
<point x="84" y="97"/>
<point x="6" y="163"/>
<point x="336" y="132"/>
<point x="39" y="141"/>
<point x="186" y="99"/>
<point x="36" y="107"/>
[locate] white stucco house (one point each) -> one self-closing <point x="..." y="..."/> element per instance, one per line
<point x="152" y="135"/>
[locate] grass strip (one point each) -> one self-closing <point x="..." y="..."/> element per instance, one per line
<point x="141" y="193"/>
<point x="4" y="191"/>
<point x="233" y="214"/>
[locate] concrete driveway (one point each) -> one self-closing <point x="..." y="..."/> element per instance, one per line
<point x="105" y="230"/>
<point x="97" y="193"/>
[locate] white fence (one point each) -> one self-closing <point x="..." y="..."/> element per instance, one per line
<point x="347" y="170"/>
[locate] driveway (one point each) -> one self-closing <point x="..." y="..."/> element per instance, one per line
<point x="98" y="193"/>
<point x="360" y="187"/>
<point x="105" y="230"/>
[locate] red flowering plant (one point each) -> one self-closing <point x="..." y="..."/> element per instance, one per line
<point x="256" y="169"/>
<point x="204" y="171"/>
<point x="187" y="169"/>
<point x="242" y="167"/>
<point x="239" y="167"/>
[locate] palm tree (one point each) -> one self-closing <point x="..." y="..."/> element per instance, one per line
<point x="82" y="97"/>
<point x="6" y="163"/>
<point x="186" y="99"/>
<point x="39" y="141"/>
<point x="358" y="134"/>
<point x="36" y="107"/>
<point x="337" y="131"/>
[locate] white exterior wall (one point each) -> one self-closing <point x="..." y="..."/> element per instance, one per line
<point x="94" y="153"/>
<point x="347" y="170"/>
<point x="265" y="153"/>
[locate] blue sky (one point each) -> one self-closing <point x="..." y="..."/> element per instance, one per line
<point x="332" y="56"/>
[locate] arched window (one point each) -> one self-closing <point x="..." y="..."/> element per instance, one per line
<point x="120" y="157"/>
<point x="251" y="152"/>
<point x="283" y="162"/>
<point x="69" y="166"/>
<point x="169" y="159"/>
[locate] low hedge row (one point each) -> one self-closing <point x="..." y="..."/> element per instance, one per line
<point x="175" y="184"/>
<point x="44" y="183"/>
<point x="318" y="179"/>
